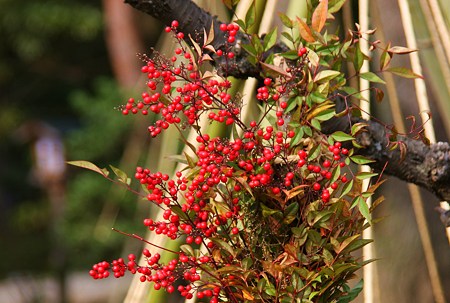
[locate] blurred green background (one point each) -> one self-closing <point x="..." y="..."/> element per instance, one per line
<point x="64" y="68"/>
<point x="60" y="80"/>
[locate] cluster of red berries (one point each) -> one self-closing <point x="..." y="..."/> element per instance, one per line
<point x="194" y="97"/>
<point x="302" y="51"/>
<point x="118" y="267"/>
<point x="230" y="31"/>
<point x="227" y="168"/>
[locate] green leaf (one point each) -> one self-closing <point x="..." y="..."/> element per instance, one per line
<point x="326" y="75"/>
<point x="346" y="243"/>
<point x="291" y="55"/>
<point x="290" y="213"/>
<point x="335" y="5"/>
<point x="188" y="250"/>
<point x="335" y="175"/>
<point x="247" y="263"/>
<point x="91" y="166"/>
<point x="270" y="290"/>
<point x="261" y="284"/>
<point x="347" y="188"/>
<point x="240" y="23"/>
<point x="314" y="236"/>
<point x="289" y="38"/>
<point x="266" y="211"/>
<point x="257" y="44"/>
<point x="325" y="115"/>
<point x="314" y="153"/>
<point x="357" y="127"/>
<point x="361" y="160"/>
<point x="251" y="15"/>
<point x="297" y="282"/>
<point x="340" y="136"/>
<point x="270" y="39"/>
<point x="229" y="269"/>
<point x="358" y="59"/>
<point x="365" y="175"/>
<point x="249" y="48"/>
<point x="316" y="124"/>
<point x="403" y="72"/>
<point x="385" y="58"/>
<point x="224" y="245"/>
<point x="364" y="210"/>
<point x="230" y="3"/>
<point x="372" y="77"/>
<point x="191" y="162"/>
<point x="297" y="137"/>
<point x="121" y="175"/>
<point x="352" y="294"/>
<point x="327" y="257"/>
<point x="315" y="217"/>
<point x="286" y="20"/>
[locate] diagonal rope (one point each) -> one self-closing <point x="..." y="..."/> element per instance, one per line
<point x="424" y="108"/>
<point x="364" y="86"/>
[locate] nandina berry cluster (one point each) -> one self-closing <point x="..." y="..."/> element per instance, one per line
<point x="204" y="207"/>
<point x="196" y="95"/>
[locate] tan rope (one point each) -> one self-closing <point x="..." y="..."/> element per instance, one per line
<point x="422" y="100"/>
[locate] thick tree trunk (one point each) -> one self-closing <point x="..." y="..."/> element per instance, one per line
<point x="426" y="166"/>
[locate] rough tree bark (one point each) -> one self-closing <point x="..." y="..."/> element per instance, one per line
<point x="424" y="165"/>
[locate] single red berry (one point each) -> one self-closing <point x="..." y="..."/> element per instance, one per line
<point x="235" y="230"/>
<point x="316" y="186"/>
<point x="267" y="81"/>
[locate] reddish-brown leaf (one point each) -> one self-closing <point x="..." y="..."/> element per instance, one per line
<point x="320" y="16"/>
<point x="401" y="50"/>
<point x="305" y="31"/>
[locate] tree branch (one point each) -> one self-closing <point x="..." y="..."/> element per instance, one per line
<point x="426" y="166"/>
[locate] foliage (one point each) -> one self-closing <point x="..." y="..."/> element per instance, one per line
<point x="274" y="213"/>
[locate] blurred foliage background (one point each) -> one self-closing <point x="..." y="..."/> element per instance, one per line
<point x="64" y="68"/>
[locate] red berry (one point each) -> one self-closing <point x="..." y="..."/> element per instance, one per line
<point x="267" y="81"/>
<point x="316" y="186"/>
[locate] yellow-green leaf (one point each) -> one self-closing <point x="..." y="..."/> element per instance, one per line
<point x="326" y="75"/>
<point x="340" y="136"/>
<point x="404" y="72"/>
<point x="361" y="160"/>
<point x="372" y="77"/>
<point x="91" y="166"/>
<point x="121" y="175"/>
